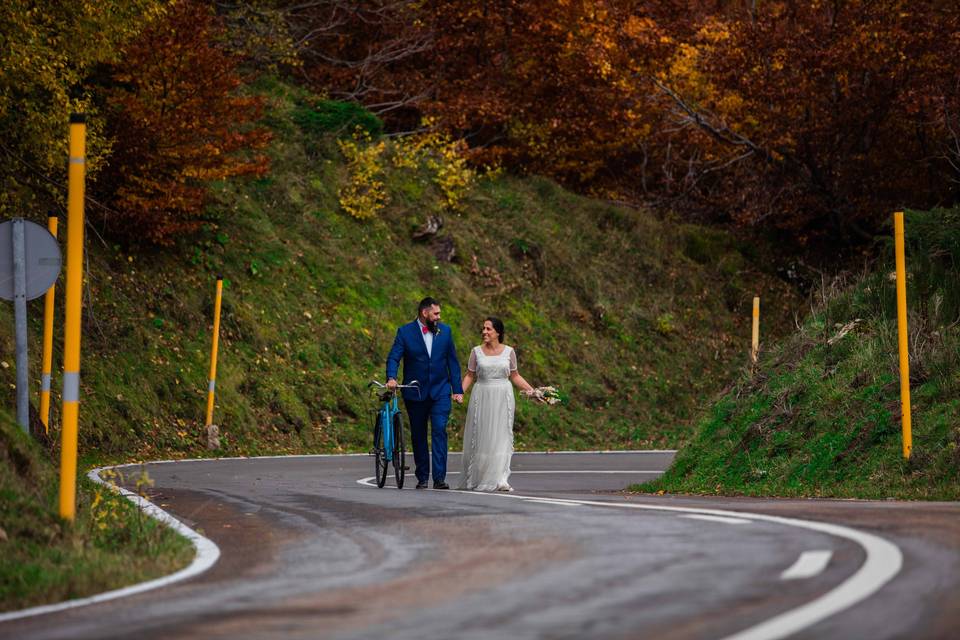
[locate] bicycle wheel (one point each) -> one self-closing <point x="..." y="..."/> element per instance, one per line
<point x="399" y="453"/>
<point x="379" y="454"/>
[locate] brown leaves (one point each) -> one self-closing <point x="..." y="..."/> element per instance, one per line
<point x="178" y="124"/>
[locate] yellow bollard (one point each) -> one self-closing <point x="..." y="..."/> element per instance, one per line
<point x="212" y="383"/>
<point x="47" y="342"/>
<point x="755" y="344"/>
<point x="902" y="334"/>
<point x="74" y="301"/>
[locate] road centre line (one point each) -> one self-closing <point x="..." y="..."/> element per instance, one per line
<point x="883" y="561"/>
<point x="555" y="471"/>
<point x="723" y="519"/>
<point x="809" y="564"/>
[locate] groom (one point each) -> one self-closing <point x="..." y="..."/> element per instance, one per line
<point x="429" y="356"/>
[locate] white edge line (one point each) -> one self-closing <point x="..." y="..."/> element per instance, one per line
<point x="207" y="553"/>
<point x="883" y="561"/>
<point x="724" y="520"/>
<point x="809" y="564"/>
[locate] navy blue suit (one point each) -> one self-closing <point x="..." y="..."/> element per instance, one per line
<point x="439" y="377"/>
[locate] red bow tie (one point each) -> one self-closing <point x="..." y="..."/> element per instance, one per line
<point x="425" y="330"/>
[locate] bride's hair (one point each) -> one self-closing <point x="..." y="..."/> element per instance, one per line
<point x="497" y="326"/>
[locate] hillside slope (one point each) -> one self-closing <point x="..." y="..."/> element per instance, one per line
<point x="636" y="319"/>
<point x="821" y="414"/>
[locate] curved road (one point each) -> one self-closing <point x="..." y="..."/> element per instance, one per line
<point x="311" y="550"/>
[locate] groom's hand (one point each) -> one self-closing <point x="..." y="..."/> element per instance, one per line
<point x="391" y="384"/>
<point x="458" y="398"/>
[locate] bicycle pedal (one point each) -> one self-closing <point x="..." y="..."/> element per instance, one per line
<point x="406" y="468"/>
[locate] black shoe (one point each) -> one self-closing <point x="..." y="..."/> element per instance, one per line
<point x="422" y="485"/>
<point x="440" y="485"/>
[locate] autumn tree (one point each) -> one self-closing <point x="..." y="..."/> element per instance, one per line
<point x="179" y="122"/>
<point x="812" y="115"/>
<point x="49" y="52"/>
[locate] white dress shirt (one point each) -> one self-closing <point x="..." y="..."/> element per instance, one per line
<point x="427" y="337"/>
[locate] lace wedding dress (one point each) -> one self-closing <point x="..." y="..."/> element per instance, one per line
<point x="488" y="433"/>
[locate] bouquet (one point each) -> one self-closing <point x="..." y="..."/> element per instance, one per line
<point x="544" y="395"/>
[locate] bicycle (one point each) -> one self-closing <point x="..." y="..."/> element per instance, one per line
<point x="388" y="433"/>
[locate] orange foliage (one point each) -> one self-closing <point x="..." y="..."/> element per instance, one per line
<point x="178" y="123"/>
<point x="806" y="115"/>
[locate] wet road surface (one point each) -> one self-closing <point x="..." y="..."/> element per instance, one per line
<point x="310" y="549"/>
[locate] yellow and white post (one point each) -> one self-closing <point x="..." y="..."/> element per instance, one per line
<point x="902" y="334"/>
<point x="74" y="300"/>
<point x="47" y="342"/>
<point x="212" y="382"/>
<point x="755" y="342"/>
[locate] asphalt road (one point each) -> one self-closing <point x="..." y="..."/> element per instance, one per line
<point x="309" y="549"/>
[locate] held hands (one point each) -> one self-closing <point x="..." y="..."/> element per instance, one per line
<point x="458" y="398"/>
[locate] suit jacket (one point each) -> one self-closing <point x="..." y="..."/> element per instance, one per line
<point x="438" y="373"/>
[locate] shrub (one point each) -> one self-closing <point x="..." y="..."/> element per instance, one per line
<point x="340" y="118"/>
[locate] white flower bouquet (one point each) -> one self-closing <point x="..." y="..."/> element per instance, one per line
<point x="544" y="395"/>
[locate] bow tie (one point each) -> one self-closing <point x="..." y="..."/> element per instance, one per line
<point x="425" y="330"/>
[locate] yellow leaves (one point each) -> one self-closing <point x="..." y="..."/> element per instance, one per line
<point x="432" y="151"/>
<point x="638" y="27"/>
<point x="714" y="31"/>
<point x="364" y="195"/>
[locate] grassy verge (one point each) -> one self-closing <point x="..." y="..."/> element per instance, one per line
<point x="820" y="415"/>
<point x="111" y="544"/>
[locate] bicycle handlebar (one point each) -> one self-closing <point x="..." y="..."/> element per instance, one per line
<point x="414" y="384"/>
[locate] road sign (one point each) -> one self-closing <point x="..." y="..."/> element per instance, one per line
<point x="42" y="260"/>
<point x="29" y="265"/>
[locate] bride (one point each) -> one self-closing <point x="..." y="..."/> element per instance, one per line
<point x="488" y="433"/>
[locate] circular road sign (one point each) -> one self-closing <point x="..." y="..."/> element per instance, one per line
<point x="42" y="255"/>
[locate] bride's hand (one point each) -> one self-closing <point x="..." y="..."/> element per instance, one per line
<point x="533" y="395"/>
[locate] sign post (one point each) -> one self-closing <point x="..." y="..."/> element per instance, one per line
<point x="29" y="265"/>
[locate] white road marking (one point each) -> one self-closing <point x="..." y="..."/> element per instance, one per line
<point x="722" y="519"/>
<point x="556" y="471"/>
<point x="548" y="501"/>
<point x="883" y="561"/>
<point x="597" y="472"/>
<point x="207" y="553"/>
<point x="809" y="564"/>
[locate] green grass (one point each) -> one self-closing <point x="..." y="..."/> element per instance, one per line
<point x="111" y="543"/>
<point x="820" y="415"/>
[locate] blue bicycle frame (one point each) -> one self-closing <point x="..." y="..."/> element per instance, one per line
<point x="389" y="448"/>
<point x="390" y="408"/>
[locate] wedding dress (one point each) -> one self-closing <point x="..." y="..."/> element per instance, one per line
<point x="488" y="433"/>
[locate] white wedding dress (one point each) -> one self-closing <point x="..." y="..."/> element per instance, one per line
<point x="488" y="433"/>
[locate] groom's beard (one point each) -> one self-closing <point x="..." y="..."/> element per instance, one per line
<point x="432" y="326"/>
